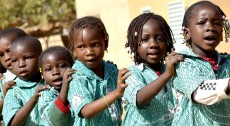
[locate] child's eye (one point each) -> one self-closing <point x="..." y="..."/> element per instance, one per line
<point x="1" y="55"/>
<point x="80" y="47"/>
<point x="144" y="40"/>
<point x="201" y="22"/>
<point x="47" y="69"/>
<point x="8" y="51"/>
<point x="160" y="39"/>
<point x="13" y="61"/>
<point x="62" y="66"/>
<point x="96" y="45"/>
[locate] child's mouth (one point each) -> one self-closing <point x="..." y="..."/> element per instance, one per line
<point x="57" y="82"/>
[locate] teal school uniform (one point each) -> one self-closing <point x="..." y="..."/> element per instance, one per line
<point x="17" y="97"/>
<point x="189" y="75"/>
<point x="156" y="112"/>
<point x="87" y="87"/>
<point x="45" y="103"/>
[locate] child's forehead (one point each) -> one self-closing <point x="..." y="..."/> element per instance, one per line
<point x="56" y="56"/>
<point x="205" y="6"/>
<point x="6" y="40"/>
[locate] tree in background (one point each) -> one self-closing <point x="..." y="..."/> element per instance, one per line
<point x="37" y="17"/>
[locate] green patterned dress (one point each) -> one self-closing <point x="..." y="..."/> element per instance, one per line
<point x="87" y="87"/>
<point x="189" y="76"/>
<point x="45" y="103"/>
<point x="18" y="97"/>
<point x="156" y="112"/>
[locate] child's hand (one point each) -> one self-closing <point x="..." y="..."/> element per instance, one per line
<point x="172" y="59"/>
<point x="67" y="78"/>
<point x="8" y="85"/>
<point x="39" y="89"/>
<point x="65" y="85"/>
<point x="121" y="85"/>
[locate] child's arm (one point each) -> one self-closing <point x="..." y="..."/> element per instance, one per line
<point x="8" y="85"/>
<point x="96" y="107"/>
<point x="22" y="114"/>
<point x="65" y="86"/>
<point x="148" y="92"/>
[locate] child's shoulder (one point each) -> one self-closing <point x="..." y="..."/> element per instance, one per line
<point x="110" y="65"/>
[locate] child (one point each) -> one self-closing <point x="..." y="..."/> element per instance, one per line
<point x="7" y="36"/>
<point x="54" y="62"/>
<point x="147" y="96"/>
<point x="203" y="78"/>
<point x="20" y="102"/>
<point x="93" y="93"/>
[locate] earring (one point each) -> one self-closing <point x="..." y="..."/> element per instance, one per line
<point x="40" y="70"/>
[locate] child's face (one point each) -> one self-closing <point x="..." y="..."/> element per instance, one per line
<point x="89" y="47"/>
<point x="204" y="29"/>
<point x="53" y="68"/>
<point x="24" y="61"/>
<point x="152" y="47"/>
<point x="5" y="44"/>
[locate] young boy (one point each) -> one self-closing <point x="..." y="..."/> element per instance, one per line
<point x="20" y="104"/>
<point x="7" y="36"/>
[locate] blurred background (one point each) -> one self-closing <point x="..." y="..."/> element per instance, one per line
<point x="49" y="20"/>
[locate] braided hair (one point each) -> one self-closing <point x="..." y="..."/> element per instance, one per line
<point x="87" y="21"/>
<point x="188" y="12"/>
<point x="135" y="31"/>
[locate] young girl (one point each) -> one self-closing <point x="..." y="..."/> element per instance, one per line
<point x="96" y="86"/>
<point x="147" y="95"/>
<point x="203" y="78"/>
<point x="20" y="102"/>
<point x="7" y="36"/>
<point x="55" y="63"/>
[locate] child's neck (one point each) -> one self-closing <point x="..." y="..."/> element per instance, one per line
<point x="155" y="67"/>
<point x="207" y="54"/>
<point x="99" y="71"/>
<point x="36" y="77"/>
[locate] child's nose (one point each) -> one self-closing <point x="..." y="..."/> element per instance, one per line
<point x="210" y="27"/>
<point x="21" y="64"/>
<point x="153" y="42"/>
<point x="56" y="71"/>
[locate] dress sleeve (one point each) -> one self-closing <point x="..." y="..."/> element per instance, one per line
<point x="189" y="75"/>
<point x="10" y="107"/>
<point x="81" y="92"/>
<point x="211" y="91"/>
<point x="135" y="82"/>
<point x="45" y="103"/>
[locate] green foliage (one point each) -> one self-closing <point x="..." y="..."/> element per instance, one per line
<point x="35" y="12"/>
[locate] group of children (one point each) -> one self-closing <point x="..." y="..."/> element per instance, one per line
<point x="162" y="87"/>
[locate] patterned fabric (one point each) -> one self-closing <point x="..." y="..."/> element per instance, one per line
<point x="155" y="113"/>
<point x="45" y="103"/>
<point x="87" y="87"/>
<point x="16" y="98"/>
<point x="189" y="76"/>
<point x="6" y="77"/>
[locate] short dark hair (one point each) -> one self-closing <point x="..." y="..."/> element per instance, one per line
<point x="61" y="51"/>
<point x="12" y="32"/>
<point x="29" y="40"/>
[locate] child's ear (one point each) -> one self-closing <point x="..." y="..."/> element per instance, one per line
<point x="186" y="34"/>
